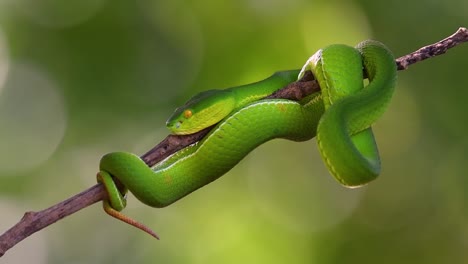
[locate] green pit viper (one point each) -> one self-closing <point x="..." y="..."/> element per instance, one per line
<point x="340" y="115"/>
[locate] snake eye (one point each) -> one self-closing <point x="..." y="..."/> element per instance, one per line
<point x="188" y="113"/>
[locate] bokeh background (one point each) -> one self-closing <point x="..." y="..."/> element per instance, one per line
<point x="82" y="78"/>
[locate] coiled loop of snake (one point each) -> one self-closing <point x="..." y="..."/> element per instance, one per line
<point x="340" y="115"/>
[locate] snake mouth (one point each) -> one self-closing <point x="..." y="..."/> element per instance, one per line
<point x="174" y="127"/>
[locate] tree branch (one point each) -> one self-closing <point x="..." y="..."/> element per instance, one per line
<point x="35" y="221"/>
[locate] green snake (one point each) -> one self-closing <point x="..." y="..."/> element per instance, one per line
<point x="340" y="115"/>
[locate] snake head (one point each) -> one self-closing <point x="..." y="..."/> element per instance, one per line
<point x="201" y="111"/>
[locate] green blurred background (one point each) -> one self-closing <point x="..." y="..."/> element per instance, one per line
<point x="82" y="78"/>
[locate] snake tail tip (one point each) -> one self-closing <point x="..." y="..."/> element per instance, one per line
<point x="141" y="226"/>
<point x="118" y="215"/>
<point x="153" y="234"/>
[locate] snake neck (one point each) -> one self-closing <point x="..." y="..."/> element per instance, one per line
<point x="249" y="93"/>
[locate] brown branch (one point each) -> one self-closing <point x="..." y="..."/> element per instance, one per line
<point x="35" y="221"/>
<point x="429" y="51"/>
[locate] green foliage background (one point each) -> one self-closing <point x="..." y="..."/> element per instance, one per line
<point x="82" y="78"/>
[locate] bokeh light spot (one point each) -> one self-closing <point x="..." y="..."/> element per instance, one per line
<point x="330" y="22"/>
<point x="4" y="61"/>
<point x="272" y="8"/>
<point x="57" y="13"/>
<point x="181" y="41"/>
<point x="451" y="181"/>
<point x="32" y="120"/>
<point x="403" y="117"/>
<point x="296" y="190"/>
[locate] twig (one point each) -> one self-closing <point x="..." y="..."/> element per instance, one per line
<point x="429" y="51"/>
<point x="35" y="221"/>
